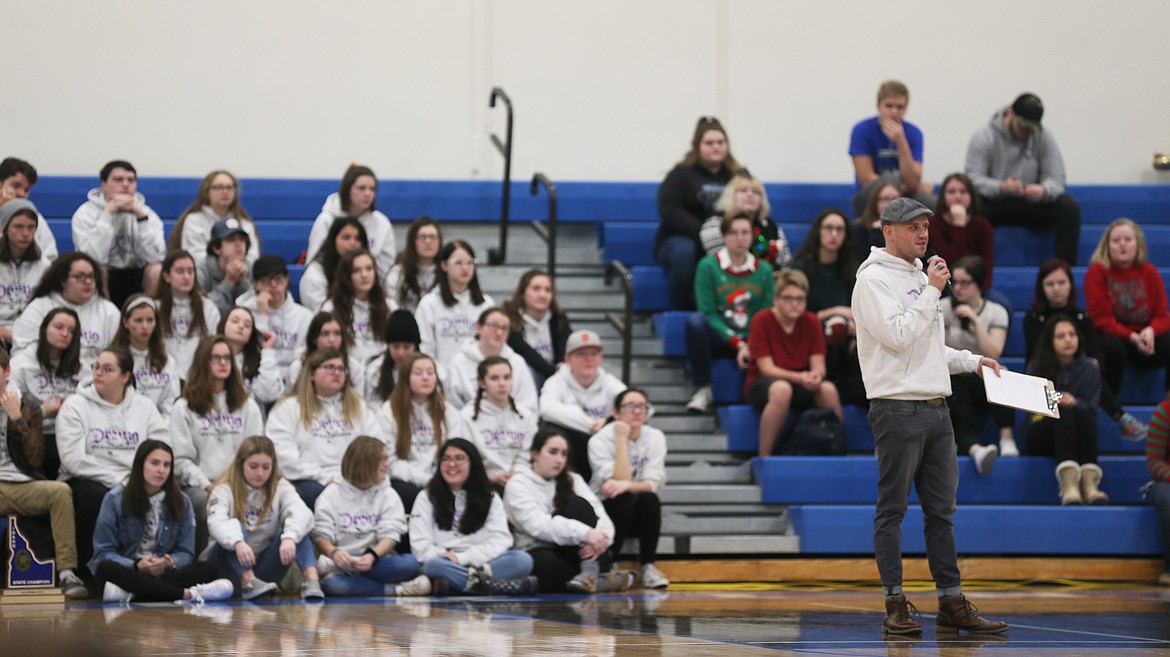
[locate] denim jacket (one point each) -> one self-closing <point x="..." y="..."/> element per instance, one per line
<point x="118" y="534"/>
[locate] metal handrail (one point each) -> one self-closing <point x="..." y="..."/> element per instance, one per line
<point x="624" y="325"/>
<point x="549" y="233"/>
<point x="498" y="255"/>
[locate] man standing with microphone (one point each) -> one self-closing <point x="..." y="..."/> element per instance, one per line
<point x="906" y="367"/>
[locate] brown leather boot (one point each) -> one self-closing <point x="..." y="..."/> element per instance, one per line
<point x="898" y="616"/>
<point x="1090" y="480"/>
<point x="955" y="613"/>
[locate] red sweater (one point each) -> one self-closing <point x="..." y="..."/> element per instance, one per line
<point x="1125" y="301"/>
<point x="952" y="242"/>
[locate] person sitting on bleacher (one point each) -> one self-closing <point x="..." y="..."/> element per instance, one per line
<point x="275" y="311"/>
<point x="402" y="339"/>
<point x="1126" y="298"/>
<point x="223" y="273"/>
<point x="118" y="229"/>
<point x="21" y="262"/>
<point x="867" y="230"/>
<point x="1056" y="295"/>
<point x="685" y="199"/>
<point x="885" y="147"/>
<point x="325" y="332"/>
<point x="217" y="199"/>
<point x="957" y="229"/>
<point x="745" y="195"/>
<point x="414" y="270"/>
<point x="345" y="235"/>
<point x="539" y="327"/>
<point x="1072" y="438"/>
<point x="447" y="314"/>
<point x="185" y="315"/>
<point x="1158" y="461"/>
<point x="787" y="369"/>
<point x="730" y="287"/>
<point x="356" y="197"/>
<point x="980" y="326"/>
<point x="17" y="178"/>
<point x="358" y="299"/>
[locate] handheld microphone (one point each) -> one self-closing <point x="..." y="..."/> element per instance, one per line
<point x="926" y="258"/>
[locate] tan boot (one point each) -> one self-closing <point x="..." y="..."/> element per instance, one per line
<point x="1090" y="479"/>
<point x="1068" y="473"/>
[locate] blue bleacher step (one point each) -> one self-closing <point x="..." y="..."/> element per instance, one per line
<point x="853" y="480"/>
<point x="741" y="423"/>
<point x="990" y="529"/>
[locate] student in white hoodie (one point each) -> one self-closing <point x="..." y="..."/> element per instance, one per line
<point x="459" y="530"/>
<point x="402" y="339"/>
<point x="560" y="522"/>
<point x="540" y="328"/>
<point x="21" y="262"/>
<point x="462" y="383"/>
<point x="629" y="468"/>
<point x="209" y="422"/>
<point x="185" y="316"/>
<point x="346" y="234"/>
<point x="358" y="300"/>
<point x="356" y="197"/>
<point x="417" y="418"/>
<point x="118" y="229"/>
<point x="500" y="430"/>
<point x="259" y="524"/>
<point x="17" y="178"/>
<point x="49" y="373"/>
<point x="906" y="367"/>
<point x="325" y="333"/>
<point x="358" y="526"/>
<point x="413" y="274"/>
<point x="315" y="421"/>
<point x="73" y="281"/>
<point x="578" y="399"/>
<point x="275" y="311"/>
<point x="447" y="314"/>
<point x="254" y="354"/>
<point x="217" y="199"/>
<point x="155" y="375"/>
<point x="98" y="431"/>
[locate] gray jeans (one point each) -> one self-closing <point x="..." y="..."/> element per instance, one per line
<point x="915" y="444"/>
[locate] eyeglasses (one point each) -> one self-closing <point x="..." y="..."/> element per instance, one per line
<point x="456" y="458"/>
<point x="496" y="327"/>
<point x="637" y="406"/>
<point x="83" y="278"/>
<point x="470" y="262"/>
<point x="106" y="369"/>
<point x="223" y="188"/>
<point x="220" y="358"/>
<point x="792" y="298"/>
<point x="273" y="279"/>
<point x="426" y="238"/>
<point x="334" y="369"/>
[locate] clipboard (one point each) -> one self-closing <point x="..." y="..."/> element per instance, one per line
<point x="1033" y="394"/>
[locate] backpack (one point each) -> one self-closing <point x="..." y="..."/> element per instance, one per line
<point x="817" y="432"/>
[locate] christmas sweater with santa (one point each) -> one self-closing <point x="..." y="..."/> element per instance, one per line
<point x="729" y="295"/>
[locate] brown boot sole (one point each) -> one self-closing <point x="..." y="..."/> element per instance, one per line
<point x="913" y="630"/>
<point x="948" y="629"/>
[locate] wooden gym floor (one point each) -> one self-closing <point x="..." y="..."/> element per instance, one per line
<point x="1090" y="619"/>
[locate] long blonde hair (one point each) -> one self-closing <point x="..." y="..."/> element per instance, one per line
<point x="402" y="413"/>
<point x="233" y="477"/>
<point x="1101" y="253"/>
<point x="306" y="394"/>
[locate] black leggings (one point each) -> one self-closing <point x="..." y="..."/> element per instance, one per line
<point x="555" y="566"/>
<point x="1073" y="437"/>
<point x="164" y="588"/>
<point x="1117" y="352"/>
<point x="407" y="491"/>
<point x="639" y="514"/>
<point x="87" y="504"/>
<point x="968" y="406"/>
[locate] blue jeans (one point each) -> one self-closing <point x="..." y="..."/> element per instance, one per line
<point x="915" y="444"/>
<point x="268" y="566"/>
<point x="704" y="344"/>
<point x="1160" y="497"/>
<point x="309" y="490"/>
<point x="509" y="565"/>
<point x="679" y="256"/>
<point x="390" y="569"/>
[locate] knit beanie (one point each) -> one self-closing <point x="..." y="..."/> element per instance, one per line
<point x="401" y="327"/>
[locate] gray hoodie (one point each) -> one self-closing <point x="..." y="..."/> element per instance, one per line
<point x="994" y="156"/>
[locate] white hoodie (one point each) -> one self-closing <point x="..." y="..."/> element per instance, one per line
<point x="267" y="385"/>
<point x="900" y="332"/>
<point x="97" y="439"/>
<point x="426" y="282"/>
<point x="162" y="388"/>
<point x="288" y="518"/>
<point x="290" y="322"/>
<point x="462" y="382"/>
<point x="205" y="445"/>
<point x="36" y="385"/>
<point x="183" y="341"/>
<point x="529" y="501"/>
<point x="18" y="281"/>
<point x="367" y="338"/>
<point x="354" y="520"/>
<point x="571" y="405"/>
<point x="420" y="465"/>
<point x="444" y="330"/>
<point x="502" y="436"/>
<point x="427" y="540"/>
<point x="356" y="374"/>
<point x="314" y="286"/>
<point x="315" y="452"/>
<point x="647" y="457"/>
<point x="197" y="233"/>
<point x="99" y="321"/>
<point x="378" y="231"/>
<point x="118" y="241"/>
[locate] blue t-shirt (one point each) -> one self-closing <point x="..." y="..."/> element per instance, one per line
<point x="869" y="140"/>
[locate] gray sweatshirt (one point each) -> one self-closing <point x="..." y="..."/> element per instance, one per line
<point x="994" y="156"/>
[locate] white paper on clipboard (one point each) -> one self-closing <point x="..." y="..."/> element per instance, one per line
<point x="1033" y="394"/>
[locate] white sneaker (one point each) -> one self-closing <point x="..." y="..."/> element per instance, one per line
<point x="1008" y="448"/>
<point x="701" y="401"/>
<point x="325" y="566"/>
<point x="219" y="589"/>
<point x="985" y="459"/>
<point x="115" y="593"/>
<point x="420" y="585"/>
<point x="652" y="578"/>
<point x="73" y="587"/>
